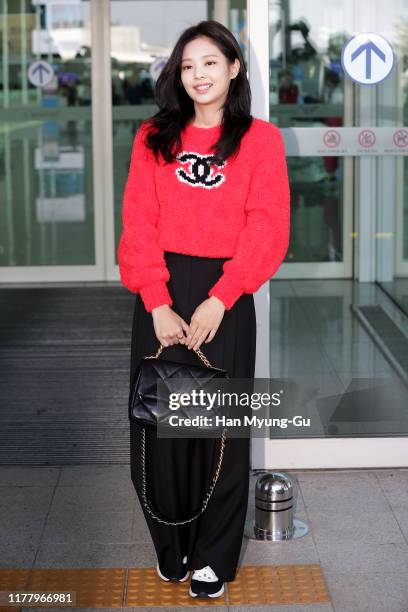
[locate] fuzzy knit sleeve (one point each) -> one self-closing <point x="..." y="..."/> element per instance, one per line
<point x="264" y="240"/>
<point x="141" y="260"/>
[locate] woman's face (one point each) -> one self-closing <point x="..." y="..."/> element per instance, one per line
<point x="203" y="63"/>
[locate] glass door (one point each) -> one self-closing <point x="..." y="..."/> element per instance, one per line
<point x="392" y="215"/>
<point x="307" y="90"/>
<point x="50" y="216"/>
<point x="296" y="60"/>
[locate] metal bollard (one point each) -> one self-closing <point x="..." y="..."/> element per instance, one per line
<point x="274" y="505"/>
<point x="274" y="502"/>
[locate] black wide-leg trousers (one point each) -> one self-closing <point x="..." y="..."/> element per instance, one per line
<point x="179" y="470"/>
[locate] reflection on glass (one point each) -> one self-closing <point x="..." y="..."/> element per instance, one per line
<point x="306" y="90"/>
<point x="392" y="217"/>
<point x="46" y="214"/>
<point x="62" y="196"/>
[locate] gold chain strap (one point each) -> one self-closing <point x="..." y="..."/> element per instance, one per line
<point x="217" y="471"/>
<point x="197" y="350"/>
<point x="146" y="503"/>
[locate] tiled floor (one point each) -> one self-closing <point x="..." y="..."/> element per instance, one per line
<point x="84" y="516"/>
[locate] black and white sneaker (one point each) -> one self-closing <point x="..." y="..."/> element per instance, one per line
<point x="205" y="583"/>
<point x="173" y="578"/>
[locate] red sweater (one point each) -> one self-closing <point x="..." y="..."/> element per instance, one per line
<point x="239" y="209"/>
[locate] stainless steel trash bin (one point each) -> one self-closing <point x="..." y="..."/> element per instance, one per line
<point x="274" y="503"/>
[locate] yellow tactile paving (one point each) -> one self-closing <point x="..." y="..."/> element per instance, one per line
<point x="95" y="587"/>
<point x="17" y="578"/>
<point x="278" y="584"/>
<point x="119" y="587"/>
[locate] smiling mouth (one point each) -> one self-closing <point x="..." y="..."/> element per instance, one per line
<point x="203" y="87"/>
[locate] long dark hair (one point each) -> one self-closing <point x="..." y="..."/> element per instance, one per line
<point x="177" y="108"/>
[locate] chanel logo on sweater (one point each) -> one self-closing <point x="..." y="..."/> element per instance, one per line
<point x="200" y="173"/>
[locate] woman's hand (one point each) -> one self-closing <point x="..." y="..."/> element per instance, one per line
<point x="169" y="326"/>
<point x="205" y="321"/>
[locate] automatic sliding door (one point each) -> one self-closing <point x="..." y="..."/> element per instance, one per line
<point x="307" y="89"/>
<point x="47" y="215"/>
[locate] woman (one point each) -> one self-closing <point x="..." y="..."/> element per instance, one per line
<point x="205" y="224"/>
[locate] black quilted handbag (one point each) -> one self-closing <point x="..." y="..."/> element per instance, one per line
<point x="150" y="410"/>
